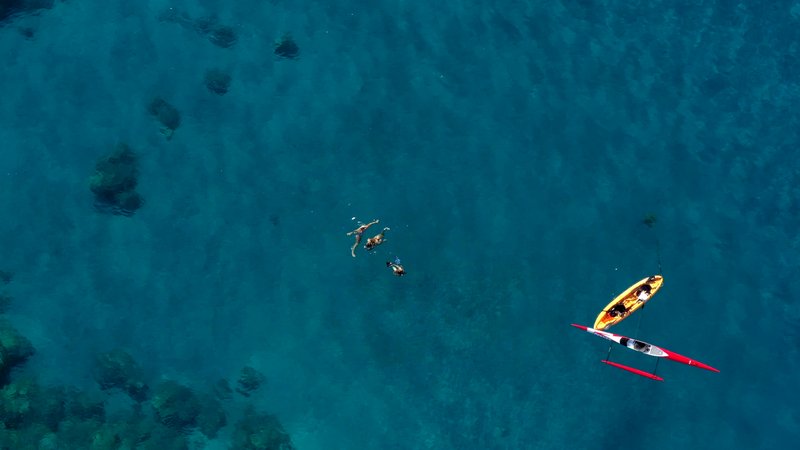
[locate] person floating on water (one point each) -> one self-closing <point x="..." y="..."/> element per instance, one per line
<point x="376" y="240"/>
<point x="397" y="269"/>
<point x="358" y="232"/>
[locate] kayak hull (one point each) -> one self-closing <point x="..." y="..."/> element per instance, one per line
<point x="629" y="300"/>
<point x="643" y="347"/>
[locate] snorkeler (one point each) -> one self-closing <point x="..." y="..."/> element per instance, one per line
<point x="397" y="269"/>
<point x="358" y="232"/>
<point x="376" y="240"/>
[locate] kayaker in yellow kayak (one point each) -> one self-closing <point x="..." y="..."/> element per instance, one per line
<point x="628" y="302"/>
<point x="643" y="291"/>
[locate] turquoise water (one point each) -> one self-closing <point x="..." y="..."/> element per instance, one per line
<point x="513" y="148"/>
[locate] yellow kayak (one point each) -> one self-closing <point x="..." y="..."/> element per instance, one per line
<point x="628" y="302"/>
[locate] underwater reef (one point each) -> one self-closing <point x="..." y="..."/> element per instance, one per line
<point x="5" y="298"/>
<point x="223" y="36"/>
<point x="649" y="220"/>
<point x="217" y="81"/>
<point x="170" y="417"/>
<point x="15" y="349"/>
<point x="249" y="381"/>
<point x="12" y="8"/>
<point x="175" y="416"/>
<point x="117" y="369"/>
<point x="257" y="431"/>
<point x="166" y="114"/>
<point x="114" y="182"/>
<point x="286" y="47"/>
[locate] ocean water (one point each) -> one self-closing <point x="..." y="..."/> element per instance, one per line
<point x="512" y="148"/>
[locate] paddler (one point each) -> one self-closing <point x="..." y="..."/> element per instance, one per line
<point x="643" y="292"/>
<point x="617" y="310"/>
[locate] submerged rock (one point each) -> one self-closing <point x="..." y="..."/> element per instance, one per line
<point x="286" y="47"/>
<point x="249" y="381"/>
<point x="12" y="8"/>
<point x="114" y="182"/>
<point x="166" y="114"/>
<point x="222" y="390"/>
<point x="15" y="349"/>
<point x="212" y="417"/>
<point x="117" y="369"/>
<point x="649" y="220"/>
<point x="256" y="431"/>
<point x="6" y="276"/>
<point x="217" y="81"/>
<point x="5" y="301"/>
<point x="222" y="36"/>
<point x="175" y="405"/>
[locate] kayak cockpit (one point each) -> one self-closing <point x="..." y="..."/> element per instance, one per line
<point x="642" y="347"/>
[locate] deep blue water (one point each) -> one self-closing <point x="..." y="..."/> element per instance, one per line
<point x="513" y="148"/>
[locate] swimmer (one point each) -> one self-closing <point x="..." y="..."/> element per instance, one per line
<point x="376" y="240"/>
<point x="397" y="269"/>
<point x="358" y="232"/>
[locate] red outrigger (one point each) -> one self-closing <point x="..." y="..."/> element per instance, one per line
<point x="642" y="347"/>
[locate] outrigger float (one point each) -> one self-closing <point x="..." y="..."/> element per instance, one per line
<point x="642" y="347"/>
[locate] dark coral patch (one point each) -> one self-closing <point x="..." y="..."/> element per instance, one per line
<point x="222" y="36"/>
<point x="117" y="369"/>
<point x="175" y="405"/>
<point x="114" y="182"/>
<point x="286" y="47"/>
<point x="15" y="349"/>
<point x="258" y="431"/>
<point x="249" y="380"/>
<point x="218" y="81"/>
<point x="166" y="114"/>
<point x="12" y="8"/>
